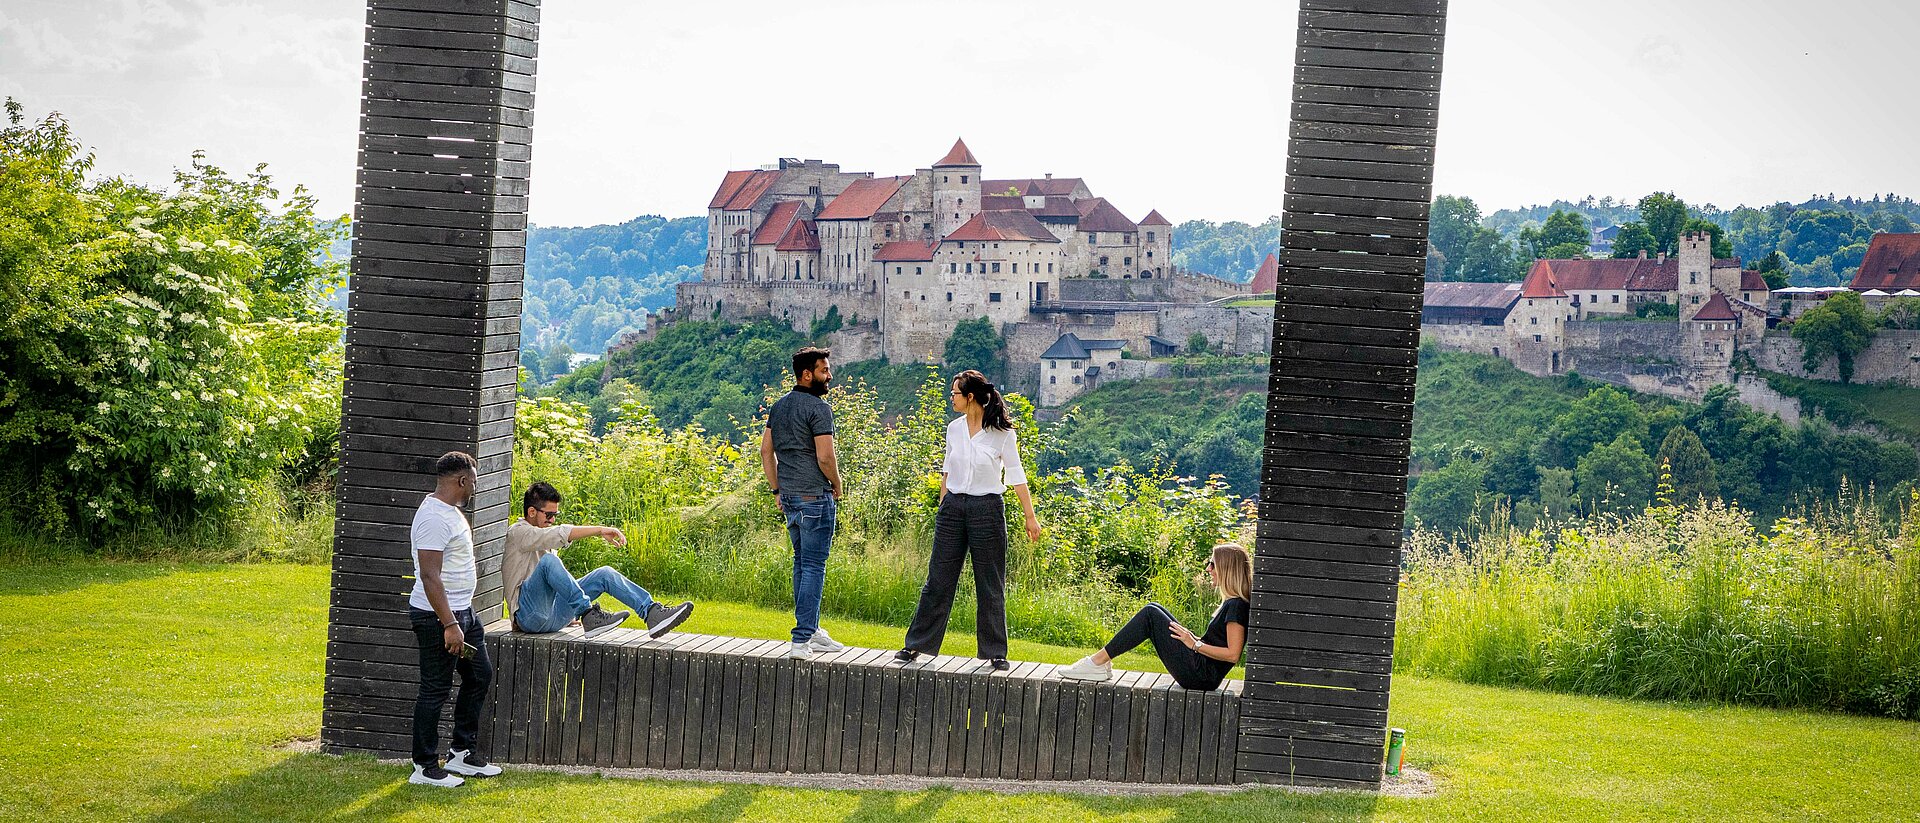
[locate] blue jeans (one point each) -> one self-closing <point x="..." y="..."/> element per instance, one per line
<point x="551" y="598"/>
<point x="810" y="527"/>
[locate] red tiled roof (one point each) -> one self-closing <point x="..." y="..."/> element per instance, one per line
<point x="729" y="186"/>
<point x="1096" y="214"/>
<point x="1010" y="224"/>
<point x="1000" y="202"/>
<point x="1892" y="263"/>
<point x="1628" y="273"/>
<point x="799" y="237"/>
<point x="1540" y="281"/>
<point x="862" y="199"/>
<point x="1268" y="277"/>
<point x="1751" y="280"/>
<point x="1154" y="219"/>
<point x="756" y="184"/>
<point x="1051" y="186"/>
<point x="1500" y="296"/>
<point x="1716" y="309"/>
<point x="908" y="251"/>
<point x="959" y="155"/>
<point x="778" y="221"/>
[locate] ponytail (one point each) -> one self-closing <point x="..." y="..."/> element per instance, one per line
<point x="974" y="384"/>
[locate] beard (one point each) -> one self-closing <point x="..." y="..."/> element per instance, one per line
<point x="818" y="388"/>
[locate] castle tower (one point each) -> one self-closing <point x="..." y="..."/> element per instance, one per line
<point x="1696" y="273"/>
<point x="1156" y="244"/>
<point x="956" y="189"/>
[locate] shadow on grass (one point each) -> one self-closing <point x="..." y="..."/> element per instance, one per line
<point x="356" y="788"/>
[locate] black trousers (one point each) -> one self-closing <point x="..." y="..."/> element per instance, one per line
<point x="1154" y="623"/>
<point x="436" y="682"/>
<point x="967" y="525"/>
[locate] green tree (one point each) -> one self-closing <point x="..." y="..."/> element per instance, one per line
<point x="828" y="323"/>
<point x="1616" y="476"/>
<point x="1901" y="313"/>
<point x="1839" y="328"/>
<point x="1605" y="414"/>
<point x="1564" y="235"/>
<point x="162" y="353"/>
<point x="1633" y="240"/>
<point x="1773" y="269"/>
<point x="1197" y="343"/>
<point x="1556" y="492"/>
<point x="975" y="344"/>
<point x="1665" y="217"/>
<point x="1447" y="498"/>
<point x="1689" y="465"/>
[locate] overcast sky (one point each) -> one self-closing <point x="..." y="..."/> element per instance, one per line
<point x="1180" y="107"/>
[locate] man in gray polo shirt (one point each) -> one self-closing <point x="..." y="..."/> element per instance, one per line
<point x="796" y="452"/>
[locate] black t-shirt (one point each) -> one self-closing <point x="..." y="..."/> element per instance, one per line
<point x="1232" y="610"/>
<point x="795" y="419"/>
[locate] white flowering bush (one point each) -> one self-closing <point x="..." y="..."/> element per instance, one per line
<point x="162" y="352"/>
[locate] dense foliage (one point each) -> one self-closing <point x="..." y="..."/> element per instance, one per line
<point x="705" y="371"/>
<point x="1231" y="250"/>
<point x="1488" y="436"/>
<point x="588" y="286"/>
<point x="1678" y="602"/>
<point x="163" y="353"/>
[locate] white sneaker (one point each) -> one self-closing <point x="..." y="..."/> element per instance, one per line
<point x="470" y="764"/>
<point x="434" y="776"/>
<point x="824" y="643"/>
<point x="1086" y="669"/>
<point x="799" y="651"/>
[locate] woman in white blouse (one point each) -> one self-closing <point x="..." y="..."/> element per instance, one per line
<point x="983" y="461"/>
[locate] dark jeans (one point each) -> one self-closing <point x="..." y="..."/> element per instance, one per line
<point x="1153" y="622"/>
<point x="967" y="525"/>
<point x="810" y="524"/>
<point x="436" y="680"/>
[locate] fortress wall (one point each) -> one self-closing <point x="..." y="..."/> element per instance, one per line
<point x="1894" y="357"/>
<point x="1237" y="331"/>
<point x="1475" y="338"/>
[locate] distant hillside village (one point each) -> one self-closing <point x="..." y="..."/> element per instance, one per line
<point x="1083" y="295"/>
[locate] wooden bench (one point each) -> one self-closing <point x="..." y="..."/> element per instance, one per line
<point x="691" y="701"/>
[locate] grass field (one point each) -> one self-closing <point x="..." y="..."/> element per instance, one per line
<point x="160" y="692"/>
<point x="1894" y="408"/>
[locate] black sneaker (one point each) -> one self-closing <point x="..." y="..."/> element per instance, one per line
<point x="999" y="664"/>
<point x="661" y="619"/>
<point x="905" y="656"/>
<point x="598" y="621"/>
<point x="470" y="764"/>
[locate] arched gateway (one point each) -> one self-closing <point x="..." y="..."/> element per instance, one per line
<point x="432" y="351"/>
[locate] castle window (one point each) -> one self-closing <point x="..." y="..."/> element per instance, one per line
<point x="943" y="178"/>
<point x="953" y="267"/>
<point x="1536" y="338"/>
<point x="963" y="178"/>
<point x="949" y="297"/>
<point x="1149" y="237"/>
<point x="996" y="268"/>
<point x="1149" y="255"/>
<point x="1076" y="380"/>
<point x="1053" y="364"/>
<point x="1049" y="268"/>
<point x="1533" y="321"/>
<point x="1126" y="238"/>
<point x="1616" y="298"/>
<point x="1052" y="380"/>
<point x="1074" y="365"/>
<point x="1093" y="237"/>
<point x="993" y="297"/>
<point x="1696" y="300"/>
<point x="1126" y="261"/>
<point x="906" y="295"/>
<point x="896" y="269"/>
<point x="1693" y="278"/>
<point x="916" y="269"/>
<point x="1103" y="260"/>
<point x="969" y="268"/>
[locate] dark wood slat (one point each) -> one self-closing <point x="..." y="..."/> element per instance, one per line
<point x="1328" y="186"/>
<point x="426" y="39"/>
<point x="1370" y="40"/>
<point x="1048" y="748"/>
<point x="1433" y="8"/>
<point x="449" y="75"/>
<point x="1325" y="332"/>
<point x="1362" y="115"/>
<point x="1406" y="321"/>
<point x="1306" y="221"/>
<point x="1371" y="97"/>
<point x="1368" y="78"/>
<point x="1314" y="676"/>
<point x="452" y="22"/>
<point x="528" y="12"/>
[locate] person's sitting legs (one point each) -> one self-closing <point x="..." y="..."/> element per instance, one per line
<point x="551" y="599"/>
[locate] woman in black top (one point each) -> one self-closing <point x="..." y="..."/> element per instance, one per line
<point x="1197" y="663"/>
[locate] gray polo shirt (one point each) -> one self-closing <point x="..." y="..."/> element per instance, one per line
<point x="795" y="420"/>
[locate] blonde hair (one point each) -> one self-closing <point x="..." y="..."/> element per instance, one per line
<point x="1234" y="566"/>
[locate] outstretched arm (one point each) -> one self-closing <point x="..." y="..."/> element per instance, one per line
<point x="610" y="534"/>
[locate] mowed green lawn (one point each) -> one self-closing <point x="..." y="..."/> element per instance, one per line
<point x="152" y="691"/>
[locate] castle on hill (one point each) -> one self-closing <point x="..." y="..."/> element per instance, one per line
<point x="902" y="260"/>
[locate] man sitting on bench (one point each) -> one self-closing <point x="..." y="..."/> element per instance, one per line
<point x="545" y="596"/>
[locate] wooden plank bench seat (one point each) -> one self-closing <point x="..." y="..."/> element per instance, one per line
<point x="693" y="701"/>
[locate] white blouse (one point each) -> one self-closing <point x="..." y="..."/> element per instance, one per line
<point x="984" y="463"/>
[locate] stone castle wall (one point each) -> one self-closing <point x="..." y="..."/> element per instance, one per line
<point x="1893" y="357"/>
<point x="1475" y="337"/>
<point x="1168" y="288"/>
<point x="1233" y="331"/>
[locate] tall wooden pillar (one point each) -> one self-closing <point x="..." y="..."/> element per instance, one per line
<point x="1339" y="408"/>
<point x="433" y="328"/>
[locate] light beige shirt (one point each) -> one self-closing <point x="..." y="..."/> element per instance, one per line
<point x="525" y="543"/>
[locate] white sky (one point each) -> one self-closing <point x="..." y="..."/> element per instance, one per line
<point x="1179" y="107"/>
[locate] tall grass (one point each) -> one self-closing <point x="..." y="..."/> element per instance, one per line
<point x="277" y="522"/>
<point x="1685" y="603"/>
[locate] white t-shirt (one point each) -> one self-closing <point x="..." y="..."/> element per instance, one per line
<point x="984" y="463"/>
<point x="438" y="527"/>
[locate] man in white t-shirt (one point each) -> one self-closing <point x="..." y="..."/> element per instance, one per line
<point x="546" y="597"/>
<point x="451" y="639"/>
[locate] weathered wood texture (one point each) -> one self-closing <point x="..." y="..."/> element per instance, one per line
<point x="688" y="701"/>
<point x="1340" y="403"/>
<point x="433" y="332"/>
